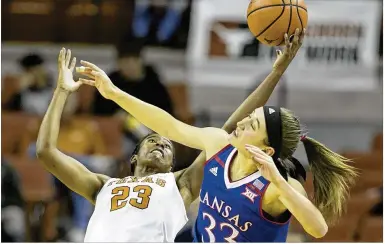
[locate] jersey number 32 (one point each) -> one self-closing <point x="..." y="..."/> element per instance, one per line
<point x="122" y="193"/>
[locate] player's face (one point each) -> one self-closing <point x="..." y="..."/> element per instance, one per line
<point x="156" y="152"/>
<point x="251" y="130"/>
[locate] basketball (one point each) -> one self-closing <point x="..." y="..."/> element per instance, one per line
<point x="269" y="20"/>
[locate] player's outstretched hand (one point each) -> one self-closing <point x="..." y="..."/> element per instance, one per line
<point x="65" y="69"/>
<point x="266" y="164"/>
<point x="292" y="45"/>
<point x="97" y="77"/>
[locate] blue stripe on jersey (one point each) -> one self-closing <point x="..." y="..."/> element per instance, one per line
<point x="231" y="211"/>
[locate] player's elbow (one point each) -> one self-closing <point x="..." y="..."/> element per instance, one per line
<point x="43" y="151"/>
<point x="320" y="232"/>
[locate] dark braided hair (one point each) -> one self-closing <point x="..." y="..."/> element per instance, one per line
<point x="137" y="148"/>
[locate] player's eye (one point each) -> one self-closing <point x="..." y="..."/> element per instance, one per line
<point x="168" y="146"/>
<point x="151" y="141"/>
<point x="253" y="126"/>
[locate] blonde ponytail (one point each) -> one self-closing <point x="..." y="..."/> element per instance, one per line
<point x="332" y="178"/>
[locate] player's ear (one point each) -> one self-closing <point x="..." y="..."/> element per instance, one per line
<point x="134" y="159"/>
<point x="269" y="151"/>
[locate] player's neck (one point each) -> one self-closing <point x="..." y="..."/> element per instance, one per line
<point x="142" y="171"/>
<point x="242" y="166"/>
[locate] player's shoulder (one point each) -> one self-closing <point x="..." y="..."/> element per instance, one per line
<point x="167" y="177"/>
<point x="214" y="131"/>
<point x="103" y="178"/>
<point x="163" y="175"/>
<point x="218" y="140"/>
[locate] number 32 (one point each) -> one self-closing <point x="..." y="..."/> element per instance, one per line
<point x="212" y="225"/>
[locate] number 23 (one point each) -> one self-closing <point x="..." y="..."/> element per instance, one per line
<point x="212" y="225"/>
<point x="121" y="193"/>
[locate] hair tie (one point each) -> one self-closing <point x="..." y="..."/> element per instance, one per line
<point x="303" y="138"/>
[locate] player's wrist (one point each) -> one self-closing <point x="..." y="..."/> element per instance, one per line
<point x="112" y="93"/>
<point x="280" y="69"/>
<point x="60" y="90"/>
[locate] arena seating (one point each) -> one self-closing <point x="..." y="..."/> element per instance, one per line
<point x="13" y="127"/>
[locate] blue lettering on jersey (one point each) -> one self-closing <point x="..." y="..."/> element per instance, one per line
<point x="231" y="211"/>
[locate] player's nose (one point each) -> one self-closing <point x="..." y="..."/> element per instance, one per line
<point x="160" y="144"/>
<point x="241" y="124"/>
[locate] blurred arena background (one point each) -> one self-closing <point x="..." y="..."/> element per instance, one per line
<point x="200" y="63"/>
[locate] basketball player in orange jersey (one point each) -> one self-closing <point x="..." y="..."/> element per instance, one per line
<point x="248" y="193"/>
<point x="149" y="206"/>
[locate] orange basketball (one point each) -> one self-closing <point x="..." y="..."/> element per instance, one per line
<point x="269" y="20"/>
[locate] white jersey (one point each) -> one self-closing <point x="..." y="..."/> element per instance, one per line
<point x="137" y="209"/>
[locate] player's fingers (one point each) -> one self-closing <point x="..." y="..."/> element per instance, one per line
<point x="68" y="58"/>
<point x="256" y="154"/>
<point x="256" y="151"/>
<point x="287" y="41"/>
<point x="87" y="81"/>
<point x="296" y="37"/>
<point x="88" y="75"/>
<point x="95" y="73"/>
<point x="59" y="58"/>
<point x="260" y="160"/>
<point x="302" y="36"/>
<point x="252" y="147"/>
<point x="256" y="160"/>
<point x="73" y="64"/>
<point x="84" y="70"/>
<point x="90" y="65"/>
<point x="62" y="58"/>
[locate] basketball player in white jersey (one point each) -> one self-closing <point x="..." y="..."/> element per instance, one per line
<point x="151" y="205"/>
<point x="146" y="207"/>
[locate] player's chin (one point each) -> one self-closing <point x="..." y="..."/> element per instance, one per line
<point x="155" y="160"/>
<point x="234" y="140"/>
<point x="238" y="144"/>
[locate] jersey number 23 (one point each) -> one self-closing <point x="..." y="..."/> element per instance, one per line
<point x="121" y="195"/>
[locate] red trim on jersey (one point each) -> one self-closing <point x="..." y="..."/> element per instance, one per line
<point x="220" y="161"/>
<point x="215" y="155"/>
<point x="261" y="210"/>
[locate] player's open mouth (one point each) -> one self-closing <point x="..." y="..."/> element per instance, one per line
<point x="157" y="150"/>
<point x="235" y="133"/>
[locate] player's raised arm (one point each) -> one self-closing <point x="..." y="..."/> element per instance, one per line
<point x="189" y="181"/>
<point x="68" y="170"/>
<point x="151" y="116"/>
<point x="260" y="95"/>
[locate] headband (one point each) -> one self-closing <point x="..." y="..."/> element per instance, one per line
<point x="273" y="127"/>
